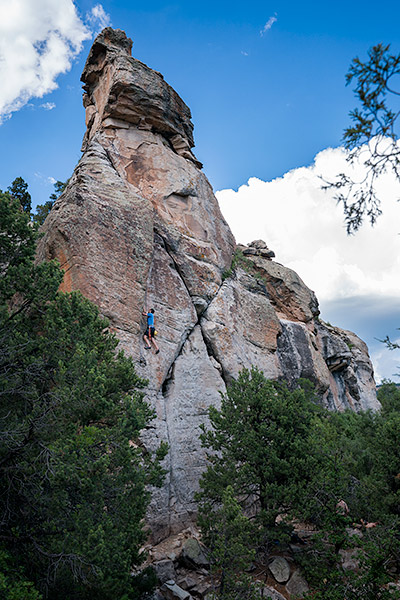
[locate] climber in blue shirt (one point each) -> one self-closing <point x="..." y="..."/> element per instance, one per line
<point x="150" y="331"/>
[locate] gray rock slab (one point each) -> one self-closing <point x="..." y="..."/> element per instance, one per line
<point x="350" y="559"/>
<point x="297" y="585"/>
<point x="187" y="582"/>
<point x="194" y="555"/>
<point x="172" y="591"/>
<point x="270" y="594"/>
<point x="165" y="570"/>
<point x="280" y="569"/>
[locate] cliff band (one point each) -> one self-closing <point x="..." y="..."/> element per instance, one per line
<point x="138" y="226"/>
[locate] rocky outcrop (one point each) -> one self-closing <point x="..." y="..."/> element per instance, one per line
<point x="138" y="226"/>
<point x="184" y="570"/>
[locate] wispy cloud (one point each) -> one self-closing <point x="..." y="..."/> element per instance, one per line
<point x="46" y="180"/>
<point x="98" y="18"/>
<point x="48" y="105"/>
<point x="244" y="53"/>
<point x="269" y="24"/>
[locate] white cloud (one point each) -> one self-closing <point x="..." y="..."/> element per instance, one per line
<point x="386" y="364"/>
<point x="46" y="180"/>
<point x="244" y="53"/>
<point x="356" y="278"/>
<point x="98" y="18"/>
<point x="48" y="105"/>
<point x="305" y="227"/>
<point x="269" y="24"/>
<point x="38" y="42"/>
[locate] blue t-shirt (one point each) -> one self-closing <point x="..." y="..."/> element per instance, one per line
<point x="150" y="319"/>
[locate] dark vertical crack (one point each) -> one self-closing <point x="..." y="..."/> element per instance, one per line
<point x="210" y="351"/>
<point x="110" y="160"/>
<point x="168" y="380"/>
<point x="168" y="249"/>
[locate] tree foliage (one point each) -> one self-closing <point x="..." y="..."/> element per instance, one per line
<point x="230" y="536"/>
<point x="261" y="446"/>
<point x="42" y="210"/>
<point x="73" y="476"/>
<point x="19" y="190"/>
<point x="373" y="555"/>
<point x="372" y="139"/>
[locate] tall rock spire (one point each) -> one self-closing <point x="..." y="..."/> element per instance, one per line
<point x="138" y="226"/>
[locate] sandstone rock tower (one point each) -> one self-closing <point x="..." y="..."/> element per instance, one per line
<point x="139" y="226"/>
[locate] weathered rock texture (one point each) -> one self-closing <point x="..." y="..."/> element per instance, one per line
<point x="138" y="226"/>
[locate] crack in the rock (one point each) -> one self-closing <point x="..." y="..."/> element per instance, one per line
<point x="210" y="351"/>
<point x="177" y="267"/>
<point x="110" y="160"/>
<point x="166" y="384"/>
<point x="169" y="378"/>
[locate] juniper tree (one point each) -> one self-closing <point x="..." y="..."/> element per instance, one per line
<point x="231" y="539"/>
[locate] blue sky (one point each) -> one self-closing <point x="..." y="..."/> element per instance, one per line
<point x="265" y="82"/>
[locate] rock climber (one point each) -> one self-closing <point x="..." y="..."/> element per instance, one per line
<point x="150" y="331"/>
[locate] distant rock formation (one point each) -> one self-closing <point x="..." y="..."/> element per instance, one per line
<point x="138" y="226"/>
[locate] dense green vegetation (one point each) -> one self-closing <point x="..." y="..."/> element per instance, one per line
<point x="19" y="191"/>
<point x="281" y="460"/>
<point x="73" y="477"/>
<point x="258" y="415"/>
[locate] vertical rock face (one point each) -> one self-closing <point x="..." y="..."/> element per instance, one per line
<point x="138" y="226"/>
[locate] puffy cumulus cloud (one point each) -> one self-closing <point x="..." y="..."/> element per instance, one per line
<point x="38" y="42"/>
<point x="356" y="278"/>
<point x="98" y="18"/>
<point x="304" y="226"/>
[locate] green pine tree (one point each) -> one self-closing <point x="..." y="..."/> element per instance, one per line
<point x="260" y="443"/>
<point x="19" y="190"/>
